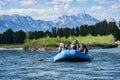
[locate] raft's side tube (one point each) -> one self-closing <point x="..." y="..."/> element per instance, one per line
<point x="61" y="55"/>
<point x="72" y="55"/>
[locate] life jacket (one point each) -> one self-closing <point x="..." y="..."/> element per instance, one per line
<point x="84" y="49"/>
<point x="59" y="50"/>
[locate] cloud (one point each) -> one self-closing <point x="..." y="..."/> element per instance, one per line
<point x="28" y="2"/>
<point x="104" y="13"/>
<point x="101" y="1"/>
<point x="1" y="4"/>
<point x="11" y="0"/>
<point x="43" y="14"/>
<point x="107" y="1"/>
<point x="116" y="6"/>
<point x="35" y="13"/>
<point x="96" y="8"/>
<point x="60" y="4"/>
<point x="82" y="1"/>
<point x="57" y="8"/>
<point x="96" y="11"/>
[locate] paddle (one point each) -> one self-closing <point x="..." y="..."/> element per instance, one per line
<point x="46" y="57"/>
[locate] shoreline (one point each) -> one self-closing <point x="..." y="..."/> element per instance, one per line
<point x="52" y="49"/>
<point x="11" y="49"/>
<point x="22" y="49"/>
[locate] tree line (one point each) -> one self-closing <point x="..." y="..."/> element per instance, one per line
<point x="101" y="28"/>
<point x="10" y="37"/>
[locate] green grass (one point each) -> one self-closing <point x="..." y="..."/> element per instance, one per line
<point x="54" y="42"/>
<point x="118" y="43"/>
<point x="11" y="45"/>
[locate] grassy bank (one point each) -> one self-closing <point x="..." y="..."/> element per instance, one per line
<point x="11" y="46"/>
<point x="118" y="43"/>
<point x="54" y="42"/>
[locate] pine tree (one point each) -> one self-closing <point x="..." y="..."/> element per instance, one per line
<point x="19" y="36"/>
<point x="77" y="31"/>
<point x="8" y="37"/>
<point x="0" y="38"/>
<point x="60" y="32"/>
<point x="54" y="32"/>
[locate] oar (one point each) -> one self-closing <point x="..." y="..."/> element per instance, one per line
<point x="46" y="57"/>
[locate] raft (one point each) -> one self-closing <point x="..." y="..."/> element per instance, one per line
<point x="72" y="55"/>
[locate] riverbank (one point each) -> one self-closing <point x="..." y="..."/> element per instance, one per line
<point x="49" y="44"/>
<point x="107" y="41"/>
<point x="11" y="46"/>
<point x="20" y="47"/>
<point x="53" y="49"/>
<point x="11" y="49"/>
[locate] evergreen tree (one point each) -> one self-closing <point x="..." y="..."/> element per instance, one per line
<point x="103" y="26"/>
<point x="47" y="33"/>
<point x="31" y="35"/>
<point x="54" y="32"/>
<point x="8" y="37"/>
<point x="66" y="32"/>
<point x="83" y="30"/>
<point x="77" y="31"/>
<point x="60" y="32"/>
<point x="40" y="34"/>
<point x="113" y="29"/>
<point x="72" y="32"/>
<point x="19" y="36"/>
<point x="0" y="38"/>
<point x="91" y="30"/>
<point x="36" y="34"/>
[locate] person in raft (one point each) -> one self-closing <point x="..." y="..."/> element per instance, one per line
<point x="83" y="49"/>
<point x="73" y="46"/>
<point x="66" y="46"/>
<point x="61" y="47"/>
<point x="76" y="44"/>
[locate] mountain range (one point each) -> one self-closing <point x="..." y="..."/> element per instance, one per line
<point x="27" y="23"/>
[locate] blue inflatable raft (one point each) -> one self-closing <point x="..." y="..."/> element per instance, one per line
<point x="72" y="55"/>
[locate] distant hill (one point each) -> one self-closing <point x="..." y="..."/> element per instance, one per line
<point x="27" y="23"/>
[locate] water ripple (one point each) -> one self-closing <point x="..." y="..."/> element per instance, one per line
<point x="25" y="65"/>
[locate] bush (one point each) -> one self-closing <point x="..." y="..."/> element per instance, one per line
<point x="89" y="40"/>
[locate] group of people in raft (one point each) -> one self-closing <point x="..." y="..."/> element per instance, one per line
<point x="74" y="45"/>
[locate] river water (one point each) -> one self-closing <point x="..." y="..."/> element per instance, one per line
<point x="27" y="65"/>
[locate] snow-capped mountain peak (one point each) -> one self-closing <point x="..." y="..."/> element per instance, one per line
<point x="27" y="23"/>
<point x="75" y="20"/>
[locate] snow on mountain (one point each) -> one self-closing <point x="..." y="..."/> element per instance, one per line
<point x="75" y="20"/>
<point x="113" y="20"/>
<point x="27" y="23"/>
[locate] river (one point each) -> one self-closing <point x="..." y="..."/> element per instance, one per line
<point x="27" y="65"/>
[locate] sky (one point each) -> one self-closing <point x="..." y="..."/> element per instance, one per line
<point x="51" y="9"/>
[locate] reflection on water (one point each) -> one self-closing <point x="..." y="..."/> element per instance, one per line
<point x="26" y="65"/>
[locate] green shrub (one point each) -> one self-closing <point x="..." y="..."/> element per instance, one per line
<point x="89" y="40"/>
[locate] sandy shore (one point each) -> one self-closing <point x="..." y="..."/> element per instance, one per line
<point x="11" y="48"/>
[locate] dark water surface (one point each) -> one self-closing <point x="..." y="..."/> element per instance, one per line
<point x="26" y="65"/>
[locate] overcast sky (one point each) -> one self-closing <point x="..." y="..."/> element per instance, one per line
<point x="51" y="9"/>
